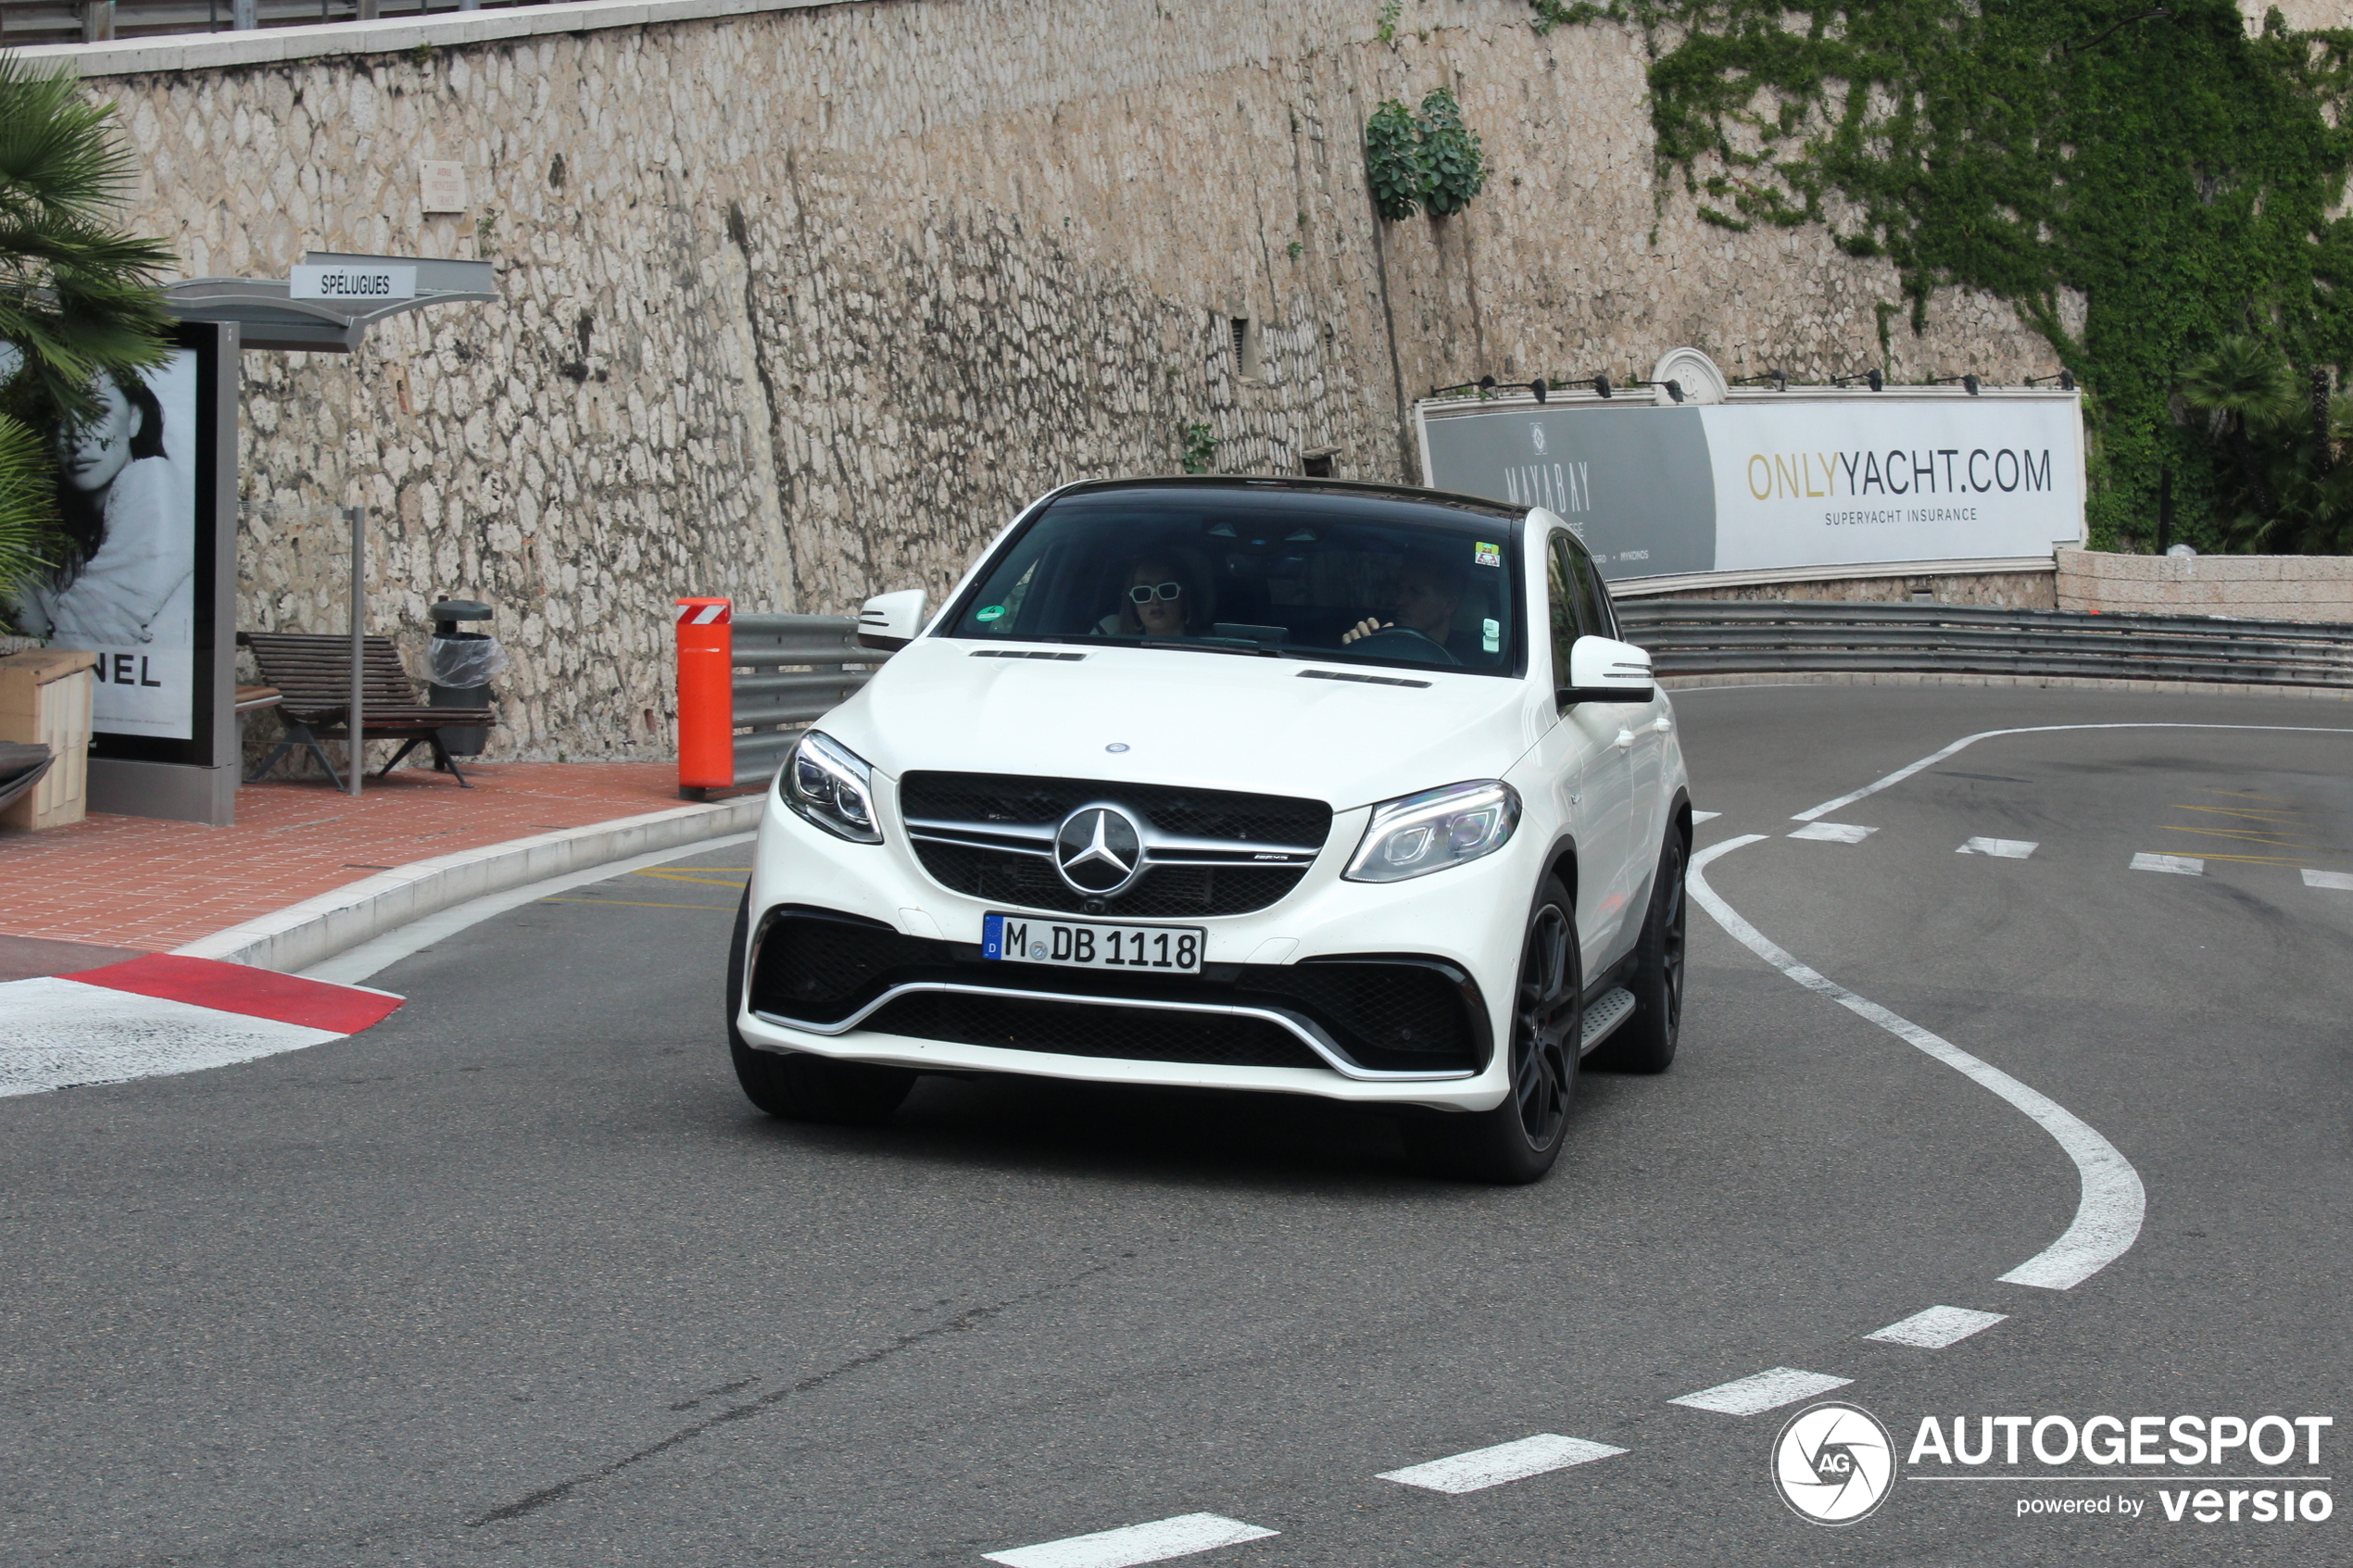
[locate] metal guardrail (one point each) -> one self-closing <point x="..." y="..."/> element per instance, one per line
<point x="790" y="671"/>
<point x="97" y="22"/>
<point x="1729" y="637"/>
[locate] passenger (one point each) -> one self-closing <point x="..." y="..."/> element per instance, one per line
<point x="1428" y="594"/>
<point x="1162" y="599"/>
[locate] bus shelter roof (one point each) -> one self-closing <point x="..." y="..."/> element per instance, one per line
<point x="271" y="318"/>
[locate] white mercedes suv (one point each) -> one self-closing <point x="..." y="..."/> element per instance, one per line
<point x="1296" y="786"/>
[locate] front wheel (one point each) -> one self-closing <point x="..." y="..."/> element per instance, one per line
<point x="795" y="1084"/>
<point x="1645" y="1043"/>
<point x="1518" y="1141"/>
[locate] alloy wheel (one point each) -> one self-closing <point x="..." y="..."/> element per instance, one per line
<point x="1547" y="1008"/>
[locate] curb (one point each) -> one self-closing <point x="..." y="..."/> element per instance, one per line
<point x="300" y="935"/>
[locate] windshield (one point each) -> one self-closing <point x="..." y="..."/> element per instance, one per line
<point x="1329" y="575"/>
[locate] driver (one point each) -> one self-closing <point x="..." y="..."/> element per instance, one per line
<point x="1429" y="593"/>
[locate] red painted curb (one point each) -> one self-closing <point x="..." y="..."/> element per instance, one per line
<point x="241" y="988"/>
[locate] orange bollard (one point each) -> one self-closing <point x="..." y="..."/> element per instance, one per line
<point x="706" y="697"/>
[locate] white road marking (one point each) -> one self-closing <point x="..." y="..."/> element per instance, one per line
<point x="2341" y="881"/>
<point x="2004" y="848"/>
<point x="1834" y="833"/>
<point x="1933" y="758"/>
<point x="1937" y="1328"/>
<point x="1699" y="817"/>
<point x="1482" y="1468"/>
<point x="2108" y="1215"/>
<point x="352" y="965"/>
<point x="1155" y="1542"/>
<point x="61" y="1033"/>
<point x="2179" y="865"/>
<point x="1764" y="1391"/>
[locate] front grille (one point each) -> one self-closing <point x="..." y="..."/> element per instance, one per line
<point x="1029" y="881"/>
<point x="1388" y="1014"/>
<point x="1076" y="1029"/>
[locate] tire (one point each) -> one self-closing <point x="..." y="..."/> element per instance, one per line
<point x="797" y="1086"/>
<point x="1645" y="1043"/>
<point x="1518" y="1141"/>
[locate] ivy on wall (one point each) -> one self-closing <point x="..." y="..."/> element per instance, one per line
<point x="2175" y="173"/>
<point x="1427" y="160"/>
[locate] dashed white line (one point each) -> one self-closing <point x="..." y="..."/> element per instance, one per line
<point x="1155" y="1542"/>
<point x="2108" y="1215"/>
<point x="2001" y="849"/>
<point x="1937" y="1328"/>
<point x="2341" y="881"/>
<point x="1699" y="817"/>
<point x="1482" y="1468"/>
<point x="2179" y="865"/>
<point x="1834" y="833"/>
<point x="1763" y="1391"/>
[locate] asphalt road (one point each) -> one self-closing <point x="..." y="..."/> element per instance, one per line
<point x="519" y="1278"/>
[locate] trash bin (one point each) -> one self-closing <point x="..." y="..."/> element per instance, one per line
<point x="459" y="669"/>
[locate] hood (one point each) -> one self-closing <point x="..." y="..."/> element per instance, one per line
<point x="1204" y="720"/>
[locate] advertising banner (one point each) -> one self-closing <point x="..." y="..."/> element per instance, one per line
<point x="126" y="588"/>
<point x="1771" y="481"/>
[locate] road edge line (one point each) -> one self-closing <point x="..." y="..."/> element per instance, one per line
<point x="303" y="933"/>
<point x="2112" y="1202"/>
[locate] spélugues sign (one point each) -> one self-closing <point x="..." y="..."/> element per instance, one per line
<point x="1763" y="480"/>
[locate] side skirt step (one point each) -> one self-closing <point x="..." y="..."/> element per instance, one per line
<point x="1603" y="1015"/>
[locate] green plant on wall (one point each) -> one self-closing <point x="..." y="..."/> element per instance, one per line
<point x="1428" y="160"/>
<point x="1393" y="163"/>
<point x="1200" y="448"/>
<point x="1450" y="152"/>
<point x="2169" y="170"/>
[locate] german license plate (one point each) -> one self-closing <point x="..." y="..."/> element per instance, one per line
<point x="1160" y="949"/>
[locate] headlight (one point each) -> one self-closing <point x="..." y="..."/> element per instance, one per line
<point x="829" y="783"/>
<point x="1436" y="829"/>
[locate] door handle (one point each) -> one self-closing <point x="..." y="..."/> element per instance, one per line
<point x="1625" y="741"/>
<point x="1662" y="724"/>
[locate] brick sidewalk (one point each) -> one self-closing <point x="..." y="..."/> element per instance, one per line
<point x="132" y="881"/>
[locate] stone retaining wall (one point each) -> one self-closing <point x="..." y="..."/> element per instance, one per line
<point x="802" y="303"/>
<point x="2259" y="587"/>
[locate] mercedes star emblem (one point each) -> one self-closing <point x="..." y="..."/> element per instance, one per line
<point x="1098" y="850"/>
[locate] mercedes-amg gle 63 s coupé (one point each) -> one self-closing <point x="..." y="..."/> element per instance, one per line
<point x="1293" y="786"/>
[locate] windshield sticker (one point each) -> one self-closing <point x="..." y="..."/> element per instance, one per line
<point x="1484" y="553"/>
<point x="993" y="612"/>
<point x="1491" y="636"/>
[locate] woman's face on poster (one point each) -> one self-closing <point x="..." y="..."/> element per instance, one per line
<point x="91" y="453"/>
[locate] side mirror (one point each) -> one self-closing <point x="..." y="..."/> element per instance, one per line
<point x="889" y="622"/>
<point x="1600" y="670"/>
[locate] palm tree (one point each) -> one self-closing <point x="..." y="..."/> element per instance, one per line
<point x="2248" y="387"/>
<point x="78" y="295"/>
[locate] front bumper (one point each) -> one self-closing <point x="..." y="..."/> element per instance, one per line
<point x="1271" y="1011"/>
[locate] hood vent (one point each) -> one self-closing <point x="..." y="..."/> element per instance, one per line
<point x="1364" y="680"/>
<point x="1026" y="653"/>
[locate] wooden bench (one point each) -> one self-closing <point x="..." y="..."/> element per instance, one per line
<point x="312" y="675"/>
